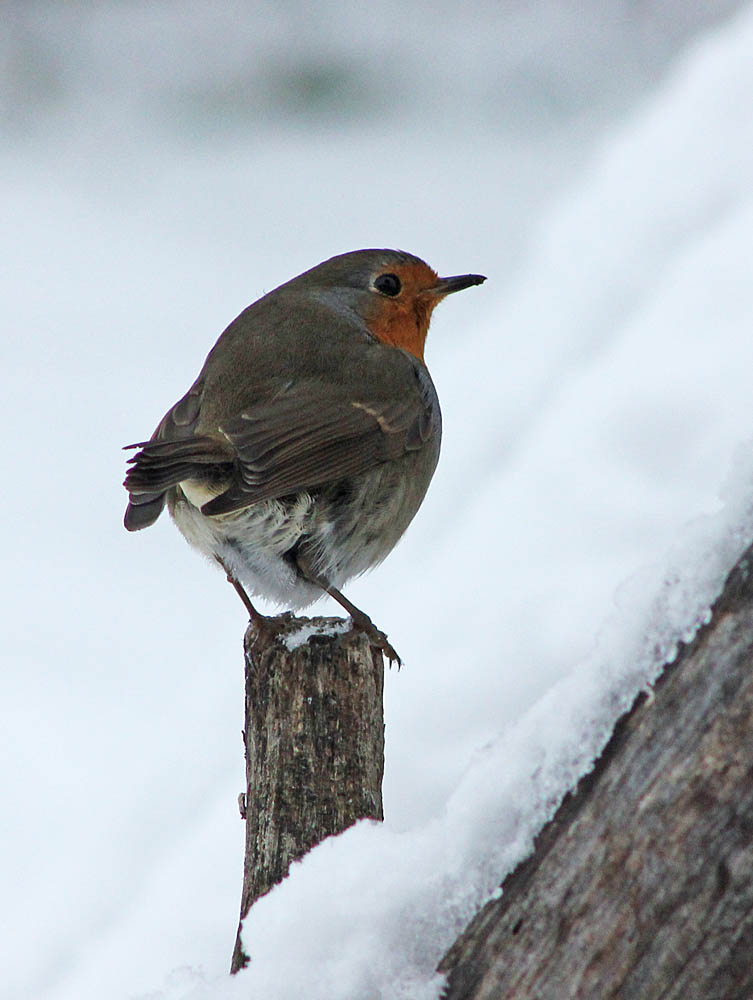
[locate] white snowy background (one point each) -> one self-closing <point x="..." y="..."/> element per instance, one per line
<point x="164" y="164"/>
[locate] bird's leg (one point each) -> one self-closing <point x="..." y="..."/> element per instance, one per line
<point x="361" y="621"/>
<point x="262" y="622"/>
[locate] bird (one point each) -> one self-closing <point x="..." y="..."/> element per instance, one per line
<point x="303" y="450"/>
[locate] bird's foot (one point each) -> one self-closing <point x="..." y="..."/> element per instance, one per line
<point x="361" y="621"/>
<point x="377" y="638"/>
<point x="269" y="627"/>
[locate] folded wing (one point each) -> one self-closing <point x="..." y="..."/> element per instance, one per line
<point x="290" y="442"/>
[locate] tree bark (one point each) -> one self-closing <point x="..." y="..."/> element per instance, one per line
<point x="314" y="741"/>
<point x="641" y="887"/>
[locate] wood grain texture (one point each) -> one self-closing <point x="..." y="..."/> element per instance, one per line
<point x="641" y="887"/>
<point x="314" y="741"/>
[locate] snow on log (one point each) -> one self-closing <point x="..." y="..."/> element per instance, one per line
<point x="642" y="884"/>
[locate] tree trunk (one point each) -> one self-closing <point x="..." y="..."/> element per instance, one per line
<point x="641" y="887"/>
<point x="314" y="739"/>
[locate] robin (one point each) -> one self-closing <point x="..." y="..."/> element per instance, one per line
<point x="303" y="450"/>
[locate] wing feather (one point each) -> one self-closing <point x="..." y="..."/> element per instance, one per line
<point x="302" y="442"/>
<point x="297" y="439"/>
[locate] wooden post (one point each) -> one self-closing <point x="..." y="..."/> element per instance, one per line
<point x="314" y="739"/>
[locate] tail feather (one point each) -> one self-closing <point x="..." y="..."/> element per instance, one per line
<point x="159" y="466"/>
<point x="143" y="511"/>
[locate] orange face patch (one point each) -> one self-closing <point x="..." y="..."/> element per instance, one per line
<point x="403" y="321"/>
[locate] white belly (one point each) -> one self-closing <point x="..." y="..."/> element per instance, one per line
<point x="251" y="543"/>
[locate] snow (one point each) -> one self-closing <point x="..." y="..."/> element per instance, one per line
<point x="302" y="635"/>
<point x="594" y="490"/>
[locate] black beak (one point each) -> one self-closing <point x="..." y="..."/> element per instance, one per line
<point x="456" y="283"/>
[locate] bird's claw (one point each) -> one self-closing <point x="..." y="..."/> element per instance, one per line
<point x="377" y="638"/>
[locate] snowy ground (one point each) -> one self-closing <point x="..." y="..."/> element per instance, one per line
<point x="594" y="488"/>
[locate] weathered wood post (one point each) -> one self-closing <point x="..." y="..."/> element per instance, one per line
<point x="314" y="741"/>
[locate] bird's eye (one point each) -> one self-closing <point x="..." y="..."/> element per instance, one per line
<point x="388" y="284"/>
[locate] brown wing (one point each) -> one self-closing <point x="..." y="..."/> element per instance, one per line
<point x="291" y="442"/>
<point x="297" y="442"/>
